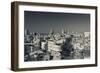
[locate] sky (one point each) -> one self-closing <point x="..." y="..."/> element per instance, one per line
<point x="43" y="22"/>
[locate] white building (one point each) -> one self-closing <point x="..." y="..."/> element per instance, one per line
<point x="54" y="50"/>
<point x="44" y="45"/>
<point x="52" y="46"/>
<point x="86" y="34"/>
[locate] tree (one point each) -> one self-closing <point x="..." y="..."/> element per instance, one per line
<point x="67" y="49"/>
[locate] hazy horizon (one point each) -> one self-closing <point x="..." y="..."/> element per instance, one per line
<point x="43" y="22"/>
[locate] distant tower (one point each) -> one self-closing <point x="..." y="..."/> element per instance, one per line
<point x="65" y="31"/>
<point x="51" y="31"/>
<point x="62" y="31"/>
<point x="68" y="31"/>
<point x="26" y="32"/>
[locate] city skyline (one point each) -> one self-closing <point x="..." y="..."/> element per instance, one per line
<point x="43" y="22"/>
